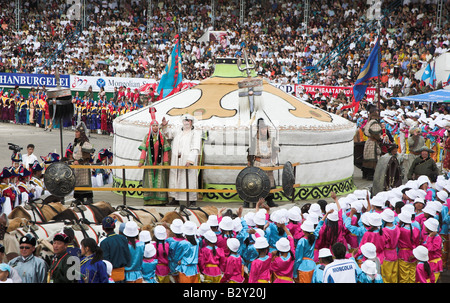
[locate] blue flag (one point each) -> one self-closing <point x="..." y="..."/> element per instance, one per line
<point x="171" y="79"/>
<point x="427" y="73"/>
<point x="433" y="76"/>
<point x="369" y="71"/>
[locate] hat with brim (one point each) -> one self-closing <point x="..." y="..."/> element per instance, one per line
<point x="424" y="148"/>
<point x="131" y="229"/>
<point x="333" y="216"/>
<point x="176" y="225"/>
<point x="144" y="236"/>
<point x="421" y="253"/>
<point x="307" y="226"/>
<point x="432" y="224"/>
<point x="233" y="244"/>
<point x="261" y="243"/>
<point x="405" y="217"/>
<point x="226" y="223"/>
<point x="369" y="267"/>
<point x="189" y="228"/>
<point x="149" y="250"/>
<point x="210" y="236"/>
<point x="325" y="252"/>
<point x="212" y="220"/>
<point x="160" y="232"/>
<point x="369" y="250"/>
<point x="387" y="215"/>
<point x="283" y="245"/>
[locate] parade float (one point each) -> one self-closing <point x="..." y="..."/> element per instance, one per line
<point x="226" y="107"/>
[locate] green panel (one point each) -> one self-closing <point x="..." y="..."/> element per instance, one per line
<point x="305" y="192"/>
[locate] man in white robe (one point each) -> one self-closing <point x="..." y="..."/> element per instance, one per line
<point x="186" y="147"/>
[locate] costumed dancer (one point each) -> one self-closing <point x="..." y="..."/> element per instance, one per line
<point x="154" y="151"/>
<point x="263" y="152"/>
<point x="82" y="150"/>
<point x="186" y="148"/>
<point x="372" y="148"/>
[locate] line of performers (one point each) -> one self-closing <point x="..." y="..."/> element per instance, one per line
<point x="97" y="115"/>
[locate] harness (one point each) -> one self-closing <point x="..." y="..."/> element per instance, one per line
<point x="33" y="209"/>
<point x="184" y="211"/>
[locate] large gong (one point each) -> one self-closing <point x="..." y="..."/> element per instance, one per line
<point x="252" y="183"/>
<point x="59" y="179"/>
<point x="288" y="179"/>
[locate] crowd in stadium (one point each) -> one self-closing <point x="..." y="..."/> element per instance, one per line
<point x="273" y="32"/>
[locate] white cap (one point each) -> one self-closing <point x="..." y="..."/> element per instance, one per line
<point x="436" y="205"/>
<point x="237" y="224"/>
<point x="429" y="209"/>
<point x="294" y="215"/>
<point x="411" y="194"/>
<point x="213" y="221"/>
<point x="408" y="208"/>
<point x="149" y="250"/>
<point x="226" y="223"/>
<point x="365" y="218"/>
<point x="160" y="232"/>
<point x="203" y="228"/>
<point x="369" y="250"/>
<point x="442" y="195"/>
<point x="432" y="224"/>
<point x="315" y="208"/>
<point x="249" y="219"/>
<point x="388" y="215"/>
<point x="261" y="242"/>
<point x="369" y="267"/>
<point x="283" y="245"/>
<point x="423" y="179"/>
<point x="189" y="228"/>
<point x="308" y="226"/>
<point x="357" y="205"/>
<point x="325" y="252"/>
<point x="259" y="218"/>
<point x="314" y="218"/>
<point x="210" y="236"/>
<point x="421" y="253"/>
<point x="233" y="244"/>
<point x="333" y="216"/>
<point x="176" y="226"/>
<point x="144" y="236"/>
<point x="419" y="200"/>
<point x="405" y="217"/>
<point x="131" y="229"/>
<point x="378" y="201"/>
<point x="421" y="193"/>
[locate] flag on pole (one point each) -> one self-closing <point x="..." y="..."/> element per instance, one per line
<point x="370" y="70"/>
<point x="171" y="79"/>
<point x="448" y="80"/>
<point x="433" y="76"/>
<point x="426" y="74"/>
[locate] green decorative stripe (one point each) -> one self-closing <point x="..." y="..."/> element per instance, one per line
<point x="304" y="192"/>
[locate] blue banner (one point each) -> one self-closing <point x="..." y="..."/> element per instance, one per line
<point x="33" y="80"/>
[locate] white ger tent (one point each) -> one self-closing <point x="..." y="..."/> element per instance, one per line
<point x="321" y="142"/>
